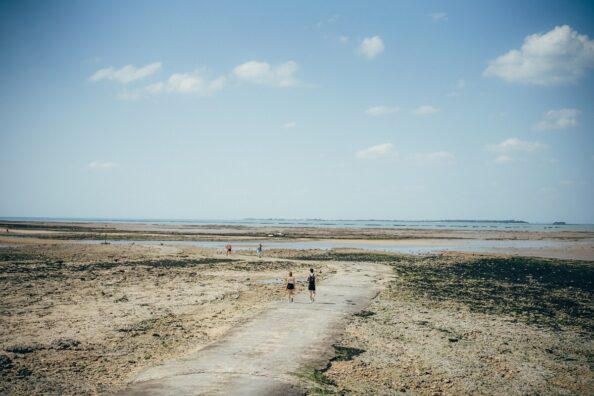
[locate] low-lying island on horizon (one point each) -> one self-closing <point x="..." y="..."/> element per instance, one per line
<point x="160" y="308"/>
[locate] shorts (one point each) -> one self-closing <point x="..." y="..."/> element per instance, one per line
<point x="311" y="287"/>
<point x="290" y="286"/>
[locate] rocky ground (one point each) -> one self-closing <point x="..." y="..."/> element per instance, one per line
<point x="81" y="319"/>
<point x="465" y="324"/>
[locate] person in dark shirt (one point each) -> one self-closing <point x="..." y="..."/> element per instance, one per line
<point x="311" y="285"/>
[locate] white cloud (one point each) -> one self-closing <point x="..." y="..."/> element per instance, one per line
<point x="435" y="157"/>
<point x="126" y="74"/>
<point x="290" y="125"/>
<point x="371" y="47"/>
<point x="558" y="119"/>
<point x="439" y="16"/>
<point x="511" y="148"/>
<point x="560" y="56"/>
<point x="516" y="145"/>
<point x="426" y="110"/>
<point x="187" y="83"/>
<point x="504" y="159"/>
<point x="98" y="165"/>
<point x="282" y="75"/>
<point x="381" y="110"/>
<point x="343" y="39"/>
<point x="380" y="150"/>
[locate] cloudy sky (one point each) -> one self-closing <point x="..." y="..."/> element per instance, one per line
<point x="334" y="109"/>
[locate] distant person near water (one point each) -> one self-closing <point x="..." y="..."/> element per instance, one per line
<point x="259" y="250"/>
<point x="291" y="286"/>
<point x="229" y="249"/>
<point x="311" y="285"/>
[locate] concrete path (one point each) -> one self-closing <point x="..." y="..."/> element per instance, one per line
<point x="261" y="356"/>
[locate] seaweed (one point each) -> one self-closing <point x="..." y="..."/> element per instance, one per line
<point x="538" y="291"/>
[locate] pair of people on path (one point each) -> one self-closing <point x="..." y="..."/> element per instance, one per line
<point x="311" y="286"/>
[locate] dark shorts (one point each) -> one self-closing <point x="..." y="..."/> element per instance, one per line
<point x="290" y="286"/>
<point x="311" y="287"/>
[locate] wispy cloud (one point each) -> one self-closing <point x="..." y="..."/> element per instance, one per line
<point x="98" y="165"/>
<point x="126" y="74"/>
<point x="378" y="151"/>
<point x="439" y="16"/>
<point x="256" y="72"/>
<point x="560" y="56"/>
<point x="381" y="110"/>
<point x="505" y="159"/>
<point x="371" y="47"/>
<point x="187" y="83"/>
<point x="511" y="150"/>
<point x="558" y="119"/>
<point x="290" y="125"/>
<point x="426" y="110"/>
<point x="434" y="157"/>
<point x="334" y="18"/>
<point x="515" y="144"/>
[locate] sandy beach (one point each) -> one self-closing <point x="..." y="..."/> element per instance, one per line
<point x="81" y="318"/>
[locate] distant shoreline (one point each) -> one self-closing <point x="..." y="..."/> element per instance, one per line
<point x="272" y="219"/>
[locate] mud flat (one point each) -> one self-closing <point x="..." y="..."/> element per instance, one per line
<point x="457" y="324"/>
<point x="88" y="319"/>
<point x="151" y="231"/>
<point x="83" y="319"/>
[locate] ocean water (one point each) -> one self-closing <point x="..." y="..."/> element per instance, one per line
<point x="321" y="223"/>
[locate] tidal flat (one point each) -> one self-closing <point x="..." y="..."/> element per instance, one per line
<point x="85" y="318"/>
<point x="469" y="324"/>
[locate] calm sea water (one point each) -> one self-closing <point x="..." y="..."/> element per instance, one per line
<point x="319" y="223"/>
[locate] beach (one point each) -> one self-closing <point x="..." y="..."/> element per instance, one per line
<point x="83" y="317"/>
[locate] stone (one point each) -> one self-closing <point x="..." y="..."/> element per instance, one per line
<point x="5" y="363"/>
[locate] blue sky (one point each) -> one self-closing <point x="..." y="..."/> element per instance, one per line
<point x="396" y="109"/>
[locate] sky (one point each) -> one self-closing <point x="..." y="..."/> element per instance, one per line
<point x="419" y="110"/>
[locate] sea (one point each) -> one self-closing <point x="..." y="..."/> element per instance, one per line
<point x="478" y="225"/>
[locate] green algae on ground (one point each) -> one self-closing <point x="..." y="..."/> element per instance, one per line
<point x="538" y="291"/>
<point x="316" y="381"/>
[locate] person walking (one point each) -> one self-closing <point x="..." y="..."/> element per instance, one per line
<point x="259" y="250"/>
<point x="311" y="285"/>
<point x="291" y="286"/>
<point x="229" y="249"/>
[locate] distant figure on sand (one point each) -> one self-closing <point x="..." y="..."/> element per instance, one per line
<point x="259" y="250"/>
<point x="291" y="286"/>
<point x="229" y="249"/>
<point x="311" y="285"/>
